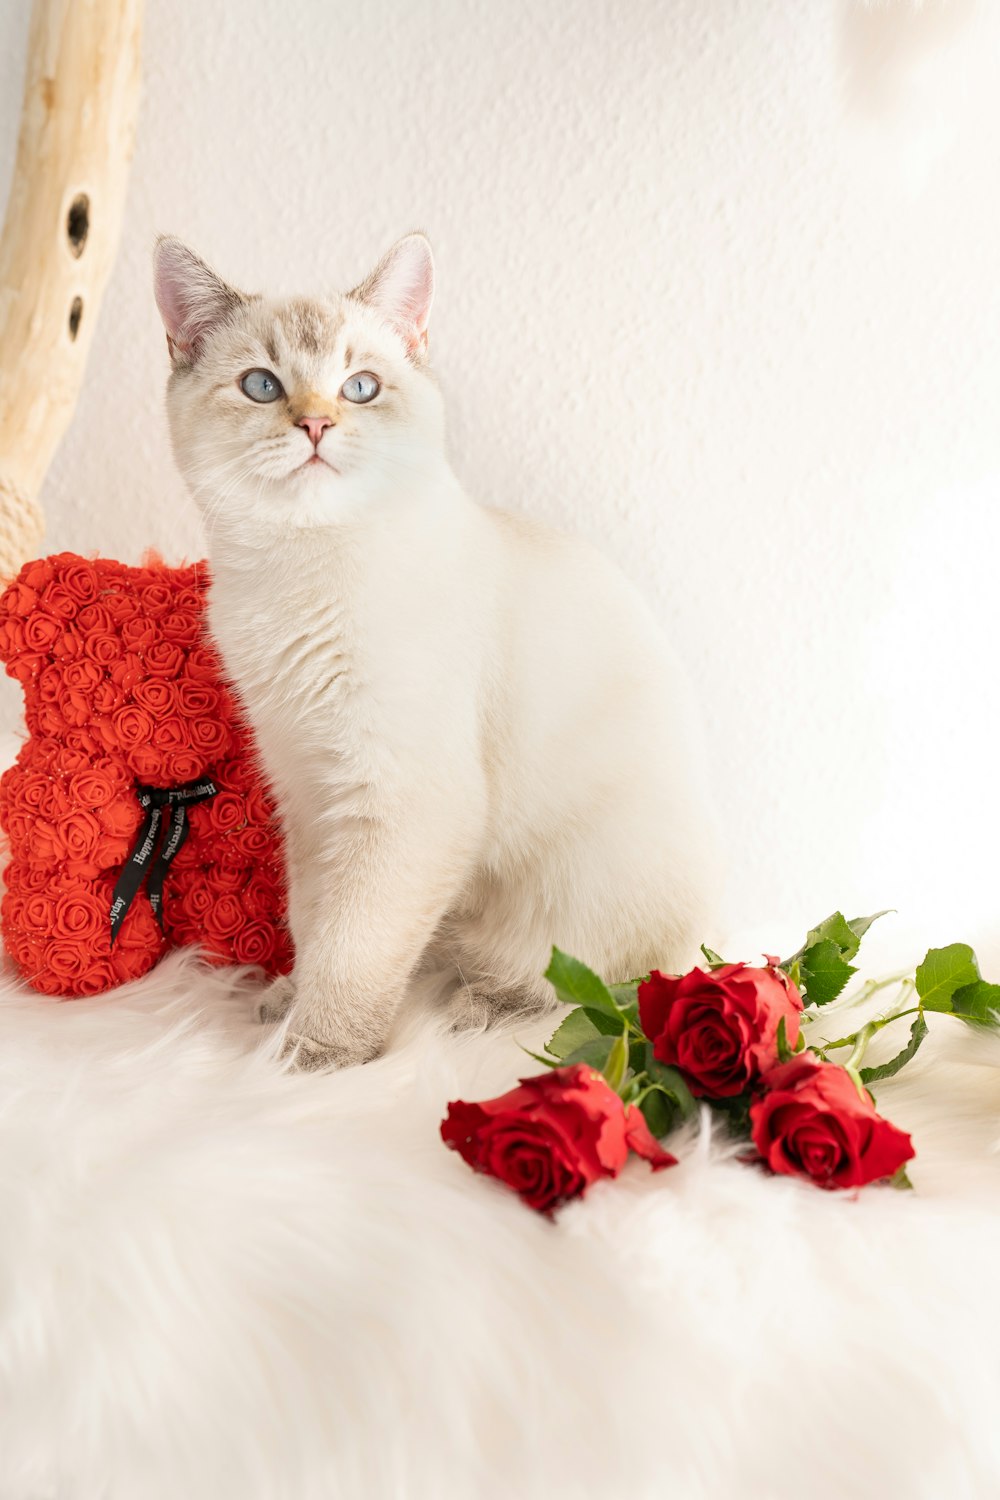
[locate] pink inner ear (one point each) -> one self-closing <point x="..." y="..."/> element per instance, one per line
<point x="191" y="298"/>
<point x="403" y="288"/>
<point x="168" y="285"/>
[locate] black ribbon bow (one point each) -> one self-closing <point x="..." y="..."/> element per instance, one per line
<point x="156" y="800"/>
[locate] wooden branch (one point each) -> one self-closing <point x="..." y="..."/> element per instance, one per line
<point x="60" y="235"/>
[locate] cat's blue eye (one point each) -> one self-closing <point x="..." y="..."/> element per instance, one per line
<point x="360" y="388"/>
<point x="261" y="385"/>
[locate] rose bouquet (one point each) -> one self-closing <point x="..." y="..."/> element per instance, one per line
<point x="631" y="1062"/>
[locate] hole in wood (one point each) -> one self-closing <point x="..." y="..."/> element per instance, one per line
<point x="78" y="223"/>
<point x="75" y="314"/>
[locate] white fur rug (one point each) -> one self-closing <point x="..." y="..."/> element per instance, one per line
<point x="222" y="1280"/>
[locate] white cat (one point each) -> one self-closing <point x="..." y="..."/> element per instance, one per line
<point x="477" y="738"/>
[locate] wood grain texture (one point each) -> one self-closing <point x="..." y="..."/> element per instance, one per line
<point x="60" y="235"/>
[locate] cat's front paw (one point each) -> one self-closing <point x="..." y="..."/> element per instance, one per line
<point x="312" y="1055"/>
<point x="274" y="1001"/>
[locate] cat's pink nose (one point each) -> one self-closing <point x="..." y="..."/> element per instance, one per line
<point x="316" y="426"/>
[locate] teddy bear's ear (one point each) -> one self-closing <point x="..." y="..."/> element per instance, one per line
<point x="191" y="298"/>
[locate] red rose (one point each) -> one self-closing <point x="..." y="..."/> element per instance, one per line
<point x="56" y="601"/>
<point x="38" y="913"/>
<point x="252" y="842"/>
<point x="76" y="708"/>
<point x="40" y="631"/>
<point x="225" y="915"/>
<point x="157" y="696"/>
<point x="106" y="697"/>
<point x="91" y="789"/>
<point x="120" y="606"/>
<point x="128" y="671"/>
<point x="202" y="665"/>
<point x="81" y="742"/>
<point x="122" y="817"/>
<point x="149" y="765"/>
<point x="812" y="1122"/>
<point x="83" y="675"/>
<point x="49" y="719"/>
<point x="224" y="812"/>
<point x="172" y="734"/>
<point x="253" y="944"/>
<point x="11" y="638"/>
<point x="133" y="726"/>
<point x="197" y="901"/>
<point x="94" y="619"/>
<point x="156" y="598"/>
<point x="263" y="899"/>
<point x="180" y="627"/>
<point x="80" y="916"/>
<point x="196" y="699"/>
<point x="30" y="791"/>
<point x="19" y="598"/>
<point x="552" y="1136"/>
<point x="69" y="642"/>
<point x="139" y="632"/>
<point x="68" y="962"/>
<point x="78" y="578"/>
<point x="139" y="929"/>
<point x="51" y="684"/>
<point x="77" y="834"/>
<point x="37" y="574"/>
<point x="720" y="1029"/>
<point x="210" y="736"/>
<point x="26" y="667"/>
<point x="189" y="600"/>
<point x="163" y="659"/>
<point x="184" y="765"/>
<point x="227" y="878"/>
<point x="103" y="649"/>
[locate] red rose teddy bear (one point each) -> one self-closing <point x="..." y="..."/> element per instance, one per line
<point x="136" y="817"/>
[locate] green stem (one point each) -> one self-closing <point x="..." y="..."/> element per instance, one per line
<point x="868" y="989"/>
<point x="861" y="1040"/>
<point x="872" y="1026"/>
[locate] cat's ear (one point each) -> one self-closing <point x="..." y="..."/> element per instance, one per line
<point x="191" y="298"/>
<point x="401" y="288"/>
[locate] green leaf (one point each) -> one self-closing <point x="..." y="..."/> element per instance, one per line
<point x="943" y="971"/>
<point x="714" y="961"/>
<point x="860" y="925"/>
<point x="593" y="1054"/>
<point x="616" y="1066"/>
<point x="785" y="1053"/>
<point x="977" y="1002"/>
<point x="624" y="995"/>
<point x="824" y="971"/>
<point x="671" y="1083"/>
<point x="578" y="1027"/>
<point x="887" y="1069"/>
<point x="899" y="1179"/>
<point x="659" y="1112"/>
<point x="834" y="929"/>
<point x="549" y="1062"/>
<point x="575" y="984"/>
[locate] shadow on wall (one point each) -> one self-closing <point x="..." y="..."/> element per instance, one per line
<point x="893" y="55"/>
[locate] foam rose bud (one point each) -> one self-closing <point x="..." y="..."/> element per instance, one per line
<point x="552" y="1136"/>
<point x="719" y="1028"/>
<point x="811" y="1121"/>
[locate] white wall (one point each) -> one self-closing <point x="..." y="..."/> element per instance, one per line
<point x="718" y="287"/>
